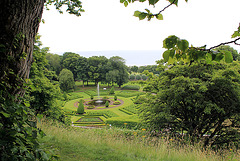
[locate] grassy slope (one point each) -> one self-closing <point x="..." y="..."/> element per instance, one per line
<point x="76" y="144"/>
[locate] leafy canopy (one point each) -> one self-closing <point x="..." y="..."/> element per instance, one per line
<point x="197" y="100"/>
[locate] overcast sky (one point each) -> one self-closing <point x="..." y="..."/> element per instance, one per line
<point x="107" y="25"/>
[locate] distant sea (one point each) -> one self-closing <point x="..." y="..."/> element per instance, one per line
<point x="138" y="58"/>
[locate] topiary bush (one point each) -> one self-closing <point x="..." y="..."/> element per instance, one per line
<point x="106" y="104"/>
<point x="81" y="100"/>
<point x="115" y="98"/>
<point x="112" y="90"/>
<point x="132" y="77"/>
<point x="80" y="109"/>
<point x="138" y="77"/>
<point x="144" y="77"/>
<point x="91" y="97"/>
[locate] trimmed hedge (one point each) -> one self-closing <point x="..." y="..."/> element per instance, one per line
<point x="129" y="93"/>
<point x="124" y="124"/>
<point x="131" y="87"/>
<point x="106" y="114"/>
<point x="126" y="111"/>
<point x="132" y="109"/>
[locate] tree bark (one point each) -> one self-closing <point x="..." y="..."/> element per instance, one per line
<point x="19" y="23"/>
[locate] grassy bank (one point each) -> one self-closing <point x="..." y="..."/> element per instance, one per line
<point x="76" y="144"/>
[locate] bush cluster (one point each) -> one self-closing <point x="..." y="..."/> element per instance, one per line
<point x="116" y="102"/>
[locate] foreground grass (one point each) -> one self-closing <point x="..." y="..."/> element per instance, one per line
<point x="76" y="144"/>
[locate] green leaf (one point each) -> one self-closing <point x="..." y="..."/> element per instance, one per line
<point x="172" y="53"/>
<point x="219" y="56"/>
<point x="183" y="45"/>
<point x="209" y="56"/>
<point x="166" y="55"/>
<point x="125" y="3"/>
<point x="170" y="42"/>
<point x="142" y="15"/>
<point x="153" y="2"/>
<point x="175" y="2"/>
<point x="235" y="34"/>
<point x="159" y="17"/>
<point x="5" y="114"/>
<point x="148" y="11"/>
<point x="121" y="1"/>
<point x="171" y="60"/>
<point x="228" y="56"/>
<point x="136" y="13"/>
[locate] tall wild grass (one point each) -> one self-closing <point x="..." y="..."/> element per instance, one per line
<point x="111" y="144"/>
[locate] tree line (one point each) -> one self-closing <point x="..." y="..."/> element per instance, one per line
<point x="93" y="69"/>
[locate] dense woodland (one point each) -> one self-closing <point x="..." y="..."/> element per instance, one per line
<point x="193" y="92"/>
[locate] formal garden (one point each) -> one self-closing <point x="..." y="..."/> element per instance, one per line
<point x="120" y="111"/>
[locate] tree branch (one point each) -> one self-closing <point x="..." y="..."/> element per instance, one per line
<point x="224" y="43"/>
<point x="166" y="7"/>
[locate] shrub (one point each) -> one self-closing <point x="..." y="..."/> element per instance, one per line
<point x="144" y="77"/>
<point x="106" y="104"/>
<point x="80" y="109"/>
<point x="131" y="87"/>
<point x="91" y="97"/>
<point x="81" y="100"/>
<point x="116" y="102"/>
<point x="112" y="90"/>
<point x="90" y="107"/>
<point x="138" y="77"/>
<point x="115" y="98"/>
<point x="132" y="77"/>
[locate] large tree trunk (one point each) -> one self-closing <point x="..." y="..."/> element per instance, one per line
<point x="19" y="22"/>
